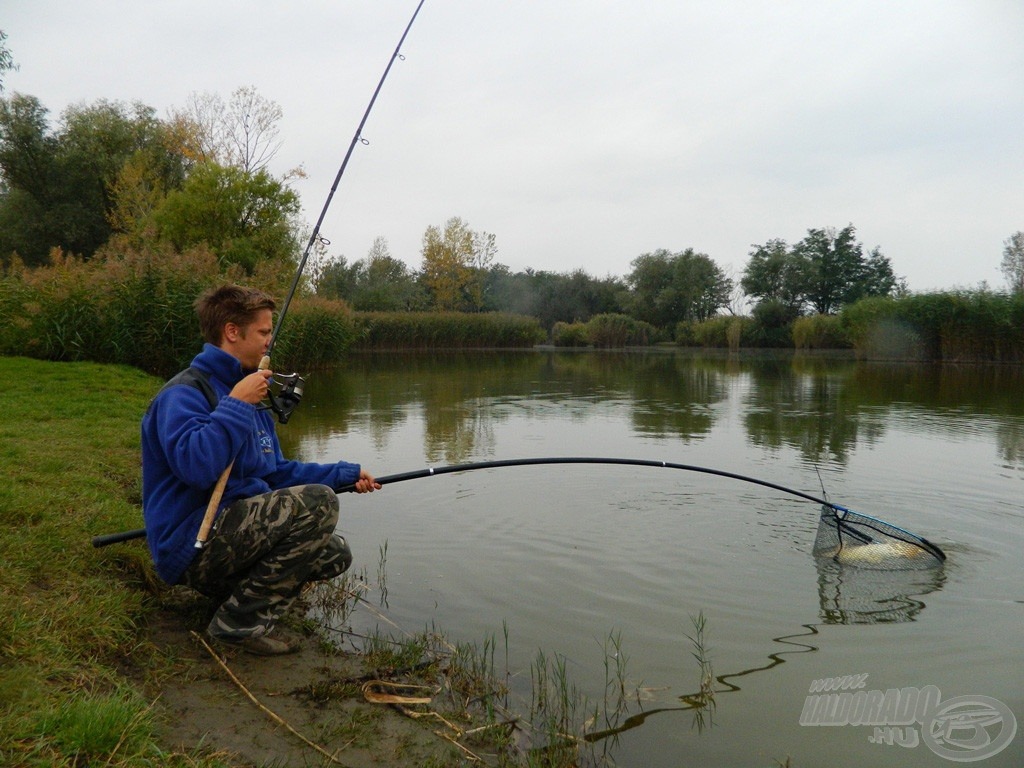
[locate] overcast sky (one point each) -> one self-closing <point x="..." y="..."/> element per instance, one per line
<point x="583" y="134"/>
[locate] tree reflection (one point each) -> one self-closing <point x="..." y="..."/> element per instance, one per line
<point x="674" y="395"/>
<point x="802" y="404"/>
<point x="821" y="406"/>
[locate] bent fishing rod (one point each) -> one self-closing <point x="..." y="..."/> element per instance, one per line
<point x="101" y="541"/>
<point x="291" y="385"/>
<point x="357" y="138"/>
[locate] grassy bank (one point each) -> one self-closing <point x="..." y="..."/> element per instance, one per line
<point x="97" y="663"/>
<point x="69" y="613"/>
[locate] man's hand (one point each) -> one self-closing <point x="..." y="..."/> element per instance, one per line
<point x="366" y="483"/>
<point x="252" y="388"/>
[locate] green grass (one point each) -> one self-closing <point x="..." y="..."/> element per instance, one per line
<point x="69" y="613"/>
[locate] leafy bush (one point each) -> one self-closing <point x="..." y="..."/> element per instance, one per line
<point x="772" y="325"/>
<point x="684" y="335"/>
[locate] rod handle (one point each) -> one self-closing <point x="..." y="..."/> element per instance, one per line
<point x="211" y="507"/>
<point x="218" y="489"/>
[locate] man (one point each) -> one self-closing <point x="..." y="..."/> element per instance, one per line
<point x="274" y="530"/>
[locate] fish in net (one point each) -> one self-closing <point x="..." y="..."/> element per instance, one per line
<point x="855" y="539"/>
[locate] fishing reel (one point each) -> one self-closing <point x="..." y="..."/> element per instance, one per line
<point x="287" y="397"/>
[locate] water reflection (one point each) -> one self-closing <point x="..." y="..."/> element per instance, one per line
<point x="700" y="703"/>
<point x="851" y="595"/>
<point x="822" y="407"/>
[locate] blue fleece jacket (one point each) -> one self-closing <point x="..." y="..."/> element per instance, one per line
<point x="186" y="447"/>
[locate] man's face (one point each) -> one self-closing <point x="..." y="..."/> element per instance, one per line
<point x="250" y="343"/>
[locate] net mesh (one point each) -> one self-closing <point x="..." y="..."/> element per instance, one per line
<point x="850" y="538"/>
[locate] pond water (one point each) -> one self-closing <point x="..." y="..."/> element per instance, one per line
<point x="581" y="561"/>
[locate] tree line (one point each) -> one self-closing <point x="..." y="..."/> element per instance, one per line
<point x="111" y="172"/>
<point x="821" y="273"/>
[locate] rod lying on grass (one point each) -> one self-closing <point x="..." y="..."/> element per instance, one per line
<point x="847" y="536"/>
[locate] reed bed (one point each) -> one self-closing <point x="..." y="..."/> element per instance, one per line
<point x="126" y="306"/>
<point x="445" y="330"/>
<point x="819" y="332"/>
<point x="605" y="331"/>
<point x="963" y="326"/>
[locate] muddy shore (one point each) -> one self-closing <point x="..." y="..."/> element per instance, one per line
<point x="317" y="692"/>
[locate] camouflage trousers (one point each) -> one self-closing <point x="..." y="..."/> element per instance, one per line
<point x="261" y="552"/>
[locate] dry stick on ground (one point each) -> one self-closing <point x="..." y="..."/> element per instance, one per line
<point x="399" y="702"/>
<point x="270" y="713"/>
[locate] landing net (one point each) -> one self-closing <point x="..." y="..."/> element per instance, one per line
<point x="851" y="538"/>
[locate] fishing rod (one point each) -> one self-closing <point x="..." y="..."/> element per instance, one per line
<point x="861" y="528"/>
<point x="290" y="386"/>
<point x="853" y="524"/>
<point x="357" y="138"/>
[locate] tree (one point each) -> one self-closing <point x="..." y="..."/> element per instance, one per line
<point x="59" y="187"/>
<point x="669" y="287"/>
<point x="243" y="217"/>
<point x="650" y="282"/>
<point x="878" y="278"/>
<point x="384" y="284"/>
<point x="242" y="132"/>
<point x="448" y="259"/>
<point x="6" y="60"/>
<point x="378" y="283"/>
<point x="830" y="265"/>
<point x="834" y="271"/>
<point x="484" y="251"/>
<point x="553" y="297"/>
<point x="702" y="286"/>
<point x="1013" y="261"/>
<point x="136" y="193"/>
<point x="28" y="170"/>
<point x="824" y="271"/>
<point x="337" y="279"/>
<point x="771" y="275"/>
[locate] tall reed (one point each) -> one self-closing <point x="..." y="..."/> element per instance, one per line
<point x="445" y="330"/>
<point x="615" y="330"/>
<point x="135" y="306"/>
<point x="948" y="326"/>
<point x="819" y="332"/>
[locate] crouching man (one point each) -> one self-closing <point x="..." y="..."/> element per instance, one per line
<point x="275" y="526"/>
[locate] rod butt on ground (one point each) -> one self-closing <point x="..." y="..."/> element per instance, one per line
<point x="115" y="538"/>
